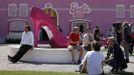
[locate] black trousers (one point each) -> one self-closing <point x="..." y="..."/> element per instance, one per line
<point x="131" y="47"/>
<point x="22" y="50"/>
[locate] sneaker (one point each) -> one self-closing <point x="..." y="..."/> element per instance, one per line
<point x="9" y="57"/>
<point x="77" y="69"/>
<point x="73" y="63"/>
<point x="112" y="70"/>
<point x="79" y="61"/>
<point x="9" y="60"/>
<point x="116" y="70"/>
<point x="127" y="61"/>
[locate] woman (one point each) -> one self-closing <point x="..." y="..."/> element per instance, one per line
<point x="96" y="33"/>
<point x="87" y="39"/>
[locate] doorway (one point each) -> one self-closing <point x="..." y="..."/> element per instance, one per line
<point x="82" y="24"/>
<point x="43" y="36"/>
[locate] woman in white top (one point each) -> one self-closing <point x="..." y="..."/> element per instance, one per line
<point x="87" y="39"/>
<point x="93" y="60"/>
<point x="27" y="43"/>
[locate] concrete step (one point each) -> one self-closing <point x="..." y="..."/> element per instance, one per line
<point x="47" y="55"/>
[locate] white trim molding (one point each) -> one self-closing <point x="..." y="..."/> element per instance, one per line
<point x="80" y="20"/>
<point x="13" y="19"/>
<point x="84" y="21"/>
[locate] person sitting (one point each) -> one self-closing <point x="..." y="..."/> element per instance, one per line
<point x="96" y="33"/>
<point x="74" y="40"/>
<point x="93" y="61"/>
<point x="27" y="43"/>
<point x="87" y="39"/>
<point x="103" y="41"/>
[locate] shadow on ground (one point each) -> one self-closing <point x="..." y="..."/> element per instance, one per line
<point x="120" y="73"/>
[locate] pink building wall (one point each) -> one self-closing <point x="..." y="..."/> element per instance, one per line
<point x="103" y="12"/>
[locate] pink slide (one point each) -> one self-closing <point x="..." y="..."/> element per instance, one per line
<point x="41" y="19"/>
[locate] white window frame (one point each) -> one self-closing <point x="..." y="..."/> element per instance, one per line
<point x="18" y="26"/>
<point x="12" y="10"/>
<point x="131" y="11"/>
<point x="79" y="21"/>
<point x="23" y="10"/>
<point x="120" y="11"/>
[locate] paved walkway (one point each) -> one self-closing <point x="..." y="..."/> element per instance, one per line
<point x="6" y="65"/>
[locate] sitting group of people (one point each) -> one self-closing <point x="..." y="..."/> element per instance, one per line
<point x="94" y="58"/>
<point x="74" y="43"/>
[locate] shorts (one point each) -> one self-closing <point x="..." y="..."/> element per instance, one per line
<point x="75" y="47"/>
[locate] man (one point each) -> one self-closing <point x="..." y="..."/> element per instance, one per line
<point x="127" y="39"/>
<point x="118" y="32"/>
<point x="132" y="36"/>
<point x="27" y="43"/>
<point x="87" y="39"/>
<point x="93" y="60"/>
<point x="96" y="33"/>
<point x="117" y="59"/>
<point x="74" y="40"/>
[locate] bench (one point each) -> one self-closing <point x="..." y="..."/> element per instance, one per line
<point x="46" y="55"/>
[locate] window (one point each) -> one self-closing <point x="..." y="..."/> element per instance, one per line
<point x="16" y="26"/>
<point x="131" y="11"/>
<point x="12" y="10"/>
<point x="81" y="24"/>
<point x="23" y="10"/>
<point x="120" y="11"/>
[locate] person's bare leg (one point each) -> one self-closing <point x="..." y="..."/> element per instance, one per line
<point x="80" y="55"/>
<point x="73" y="55"/>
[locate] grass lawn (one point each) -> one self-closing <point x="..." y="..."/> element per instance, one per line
<point x="36" y="73"/>
<point x="51" y="73"/>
